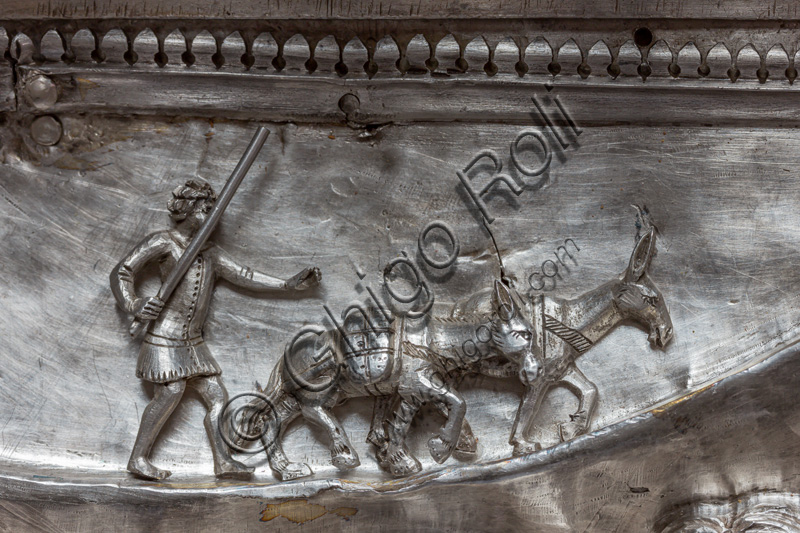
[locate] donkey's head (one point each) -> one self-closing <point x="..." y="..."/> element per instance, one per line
<point x="512" y="332"/>
<point x="637" y="297"/>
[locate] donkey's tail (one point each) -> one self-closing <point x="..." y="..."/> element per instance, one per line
<point x="265" y="417"/>
<point x="259" y="419"/>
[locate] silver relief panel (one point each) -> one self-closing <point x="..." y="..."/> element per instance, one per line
<point x="695" y="219"/>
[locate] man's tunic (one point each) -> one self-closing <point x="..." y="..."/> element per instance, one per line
<point x="173" y="347"/>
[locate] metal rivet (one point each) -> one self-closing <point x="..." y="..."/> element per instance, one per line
<point x="41" y="91"/>
<point x="46" y="130"/>
<point x="349" y="104"/>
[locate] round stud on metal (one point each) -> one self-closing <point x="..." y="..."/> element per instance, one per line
<point x="46" y="130"/>
<point x="349" y="104"/>
<point x="643" y="37"/>
<point x="41" y="91"/>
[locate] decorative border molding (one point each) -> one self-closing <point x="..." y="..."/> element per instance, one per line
<point x="400" y="9"/>
<point x="351" y="49"/>
<point x="376" y="102"/>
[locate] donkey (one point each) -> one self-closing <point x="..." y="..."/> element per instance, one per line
<point x="566" y="329"/>
<point x="310" y="385"/>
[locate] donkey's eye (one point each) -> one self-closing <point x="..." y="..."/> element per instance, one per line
<point x="650" y="300"/>
<point x="523" y="335"/>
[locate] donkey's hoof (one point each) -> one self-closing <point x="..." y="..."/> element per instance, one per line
<point x="233" y="469"/>
<point x="294" y="471"/>
<point x="399" y="463"/>
<point x="466" y="457"/>
<point x="345" y="458"/>
<point x="570" y="430"/>
<point x="525" y="447"/>
<point x="467" y="444"/>
<point x="440" y="449"/>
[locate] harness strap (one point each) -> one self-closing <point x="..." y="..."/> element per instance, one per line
<point x="571" y="336"/>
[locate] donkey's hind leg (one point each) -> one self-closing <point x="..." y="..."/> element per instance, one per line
<point x="586" y="391"/>
<point x="342" y="453"/>
<point x="280" y="464"/>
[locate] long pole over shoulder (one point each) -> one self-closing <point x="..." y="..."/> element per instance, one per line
<point x="205" y="231"/>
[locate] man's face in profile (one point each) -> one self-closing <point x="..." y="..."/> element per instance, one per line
<point x="200" y="213"/>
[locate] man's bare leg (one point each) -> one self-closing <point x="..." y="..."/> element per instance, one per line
<point x="166" y="399"/>
<point x="215" y="397"/>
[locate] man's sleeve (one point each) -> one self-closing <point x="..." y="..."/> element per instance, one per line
<point x="244" y="276"/>
<point x="124" y="274"/>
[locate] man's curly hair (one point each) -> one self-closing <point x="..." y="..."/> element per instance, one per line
<point x="185" y="197"/>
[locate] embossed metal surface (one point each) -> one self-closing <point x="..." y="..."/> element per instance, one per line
<point x="379" y="146"/>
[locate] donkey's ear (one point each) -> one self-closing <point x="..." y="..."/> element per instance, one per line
<point x="641" y="256"/>
<point x="502" y="301"/>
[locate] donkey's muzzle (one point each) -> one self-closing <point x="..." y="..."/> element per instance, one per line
<point x="530" y="370"/>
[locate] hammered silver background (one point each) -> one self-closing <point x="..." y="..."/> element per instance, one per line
<point x="707" y="425"/>
<point x="321" y="195"/>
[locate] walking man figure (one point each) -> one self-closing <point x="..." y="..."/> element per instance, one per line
<point x="173" y="353"/>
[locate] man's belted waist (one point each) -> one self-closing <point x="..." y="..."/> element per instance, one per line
<point x="169" y="342"/>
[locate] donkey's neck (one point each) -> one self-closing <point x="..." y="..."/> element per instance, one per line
<point x="460" y="340"/>
<point x="594" y="313"/>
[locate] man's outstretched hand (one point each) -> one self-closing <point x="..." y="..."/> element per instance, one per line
<point x="306" y="279"/>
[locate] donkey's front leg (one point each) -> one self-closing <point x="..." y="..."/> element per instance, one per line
<point x="380" y="412"/>
<point x="342" y="453"/>
<point x="528" y="408"/>
<point x="442" y="445"/>
<point x="467" y="447"/>
<point x="394" y="456"/>
<point x="586" y="391"/>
